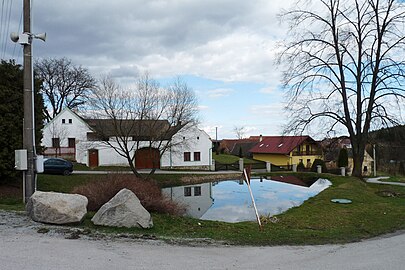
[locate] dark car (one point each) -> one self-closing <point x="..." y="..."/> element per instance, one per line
<point x="58" y="166"/>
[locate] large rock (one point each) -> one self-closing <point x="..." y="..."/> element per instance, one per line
<point x="57" y="208"/>
<point x="124" y="210"/>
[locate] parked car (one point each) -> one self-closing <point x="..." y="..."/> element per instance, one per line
<point x="58" y="166"/>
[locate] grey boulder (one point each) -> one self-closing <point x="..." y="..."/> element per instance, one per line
<point x="123" y="210"/>
<point x="56" y="208"/>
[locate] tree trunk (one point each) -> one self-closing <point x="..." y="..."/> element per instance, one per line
<point x="357" y="166"/>
<point x="358" y="157"/>
<point x="133" y="169"/>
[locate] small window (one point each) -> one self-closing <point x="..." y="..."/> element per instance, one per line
<point x="187" y="191"/>
<point x="71" y="142"/>
<point x="55" y="142"/>
<point x="197" y="156"/>
<point x="197" y="191"/>
<point x="70" y="121"/>
<point x="184" y="138"/>
<point x="187" y="156"/>
<point x="198" y="138"/>
<point x="63" y="121"/>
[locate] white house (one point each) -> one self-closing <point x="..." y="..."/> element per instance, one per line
<point x="93" y="142"/>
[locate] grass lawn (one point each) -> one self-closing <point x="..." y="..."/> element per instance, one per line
<point x="229" y="159"/>
<point x="317" y="221"/>
<point x="83" y="167"/>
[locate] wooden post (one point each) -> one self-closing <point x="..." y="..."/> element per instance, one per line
<point x="247" y="178"/>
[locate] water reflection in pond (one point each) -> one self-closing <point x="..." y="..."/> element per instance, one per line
<point x="230" y="200"/>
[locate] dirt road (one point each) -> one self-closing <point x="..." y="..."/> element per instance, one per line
<point x="27" y="245"/>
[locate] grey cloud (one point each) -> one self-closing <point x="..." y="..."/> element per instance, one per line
<point x="105" y="34"/>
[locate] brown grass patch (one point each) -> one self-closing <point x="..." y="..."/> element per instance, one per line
<point x="101" y="191"/>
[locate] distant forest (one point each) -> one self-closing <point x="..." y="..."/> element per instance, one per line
<point x="390" y="148"/>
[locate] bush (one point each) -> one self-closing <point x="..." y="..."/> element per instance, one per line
<point x="100" y="191"/>
<point x="300" y="167"/>
<point x="319" y="162"/>
<point x="343" y="159"/>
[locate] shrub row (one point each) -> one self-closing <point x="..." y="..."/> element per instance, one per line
<point x="100" y="191"/>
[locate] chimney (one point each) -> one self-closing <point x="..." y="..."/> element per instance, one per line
<point x="260" y="138"/>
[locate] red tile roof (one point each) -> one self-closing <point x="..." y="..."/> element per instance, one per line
<point x="279" y="144"/>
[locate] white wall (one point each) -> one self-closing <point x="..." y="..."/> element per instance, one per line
<point x="106" y="154"/>
<point x="56" y="129"/>
<point x="189" y="139"/>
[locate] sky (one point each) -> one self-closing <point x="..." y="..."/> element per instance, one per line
<point x="224" y="50"/>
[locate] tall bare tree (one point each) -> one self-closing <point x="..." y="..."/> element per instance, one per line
<point x="344" y="67"/>
<point x="63" y="84"/>
<point x="145" y="117"/>
<point x="240" y="131"/>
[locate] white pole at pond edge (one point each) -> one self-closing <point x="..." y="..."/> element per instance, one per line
<point x="253" y="200"/>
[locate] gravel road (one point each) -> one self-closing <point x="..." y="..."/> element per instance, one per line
<point x="29" y="245"/>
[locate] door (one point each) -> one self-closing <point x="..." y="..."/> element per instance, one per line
<point x="93" y="158"/>
<point x="147" y="158"/>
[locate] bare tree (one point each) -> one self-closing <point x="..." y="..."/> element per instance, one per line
<point x="63" y="84"/>
<point x="146" y="117"/>
<point x="344" y="67"/>
<point x="240" y="131"/>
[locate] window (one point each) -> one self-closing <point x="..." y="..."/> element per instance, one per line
<point x="197" y="156"/>
<point x="187" y="156"/>
<point x="197" y="191"/>
<point x="55" y="142"/>
<point x="198" y="138"/>
<point x="63" y="121"/>
<point x="71" y="142"/>
<point x="70" y="121"/>
<point x="187" y="191"/>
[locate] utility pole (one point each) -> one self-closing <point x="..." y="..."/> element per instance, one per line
<point x="28" y="133"/>
<point x="216" y="133"/>
<point x="27" y="162"/>
<point x="375" y="162"/>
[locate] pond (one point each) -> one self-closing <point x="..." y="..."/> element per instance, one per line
<point x="230" y="200"/>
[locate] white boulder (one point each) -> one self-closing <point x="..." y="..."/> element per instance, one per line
<point x="56" y="208"/>
<point x="123" y="210"/>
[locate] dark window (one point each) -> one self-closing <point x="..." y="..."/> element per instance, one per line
<point x="70" y="121"/>
<point x="197" y="191"/>
<point x="187" y="191"/>
<point x="63" y="121"/>
<point x="71" y="142"/>
<point x="198" y="138"/>
<point x="55" y="142"/>
<point x="197" y="156"/>
<point x="187" y="156"/>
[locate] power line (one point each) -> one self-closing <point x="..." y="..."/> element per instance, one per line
<point x="2" y="26"/>
<point x="19" y="31"/>
<point x="6" y="8"/>
<point x="7" y="25"/>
